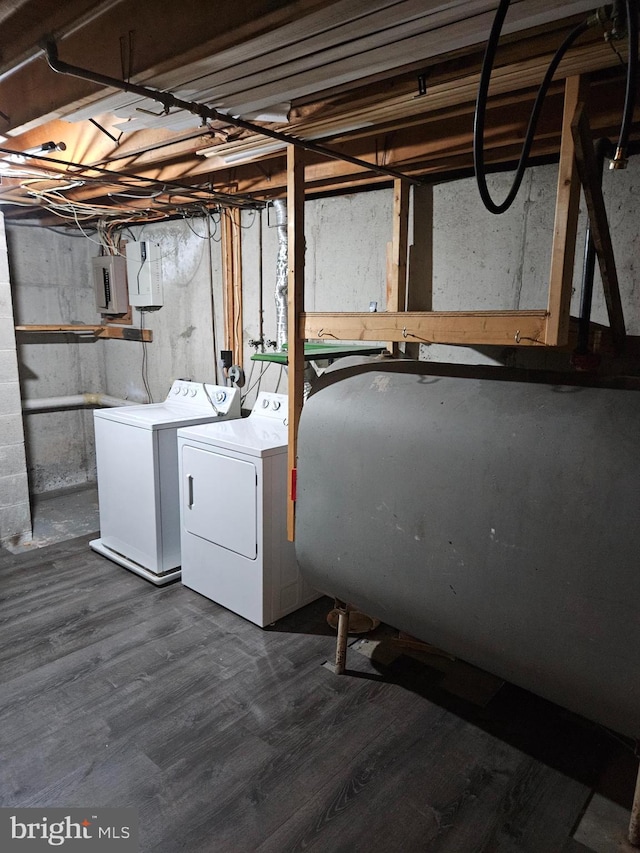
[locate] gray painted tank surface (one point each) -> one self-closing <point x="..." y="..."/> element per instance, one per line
<point x="497" y="520"/>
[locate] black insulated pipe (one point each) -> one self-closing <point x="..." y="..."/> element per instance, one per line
<point x="620" y="158"/>
<point x="481" y="108"/>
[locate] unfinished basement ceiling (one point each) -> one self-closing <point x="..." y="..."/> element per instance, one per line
<point x="389" y="83"/>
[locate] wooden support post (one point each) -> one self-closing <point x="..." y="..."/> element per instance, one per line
<point x="420" y="269"/>
<point x="295" y="344"/>
<point x="566" y="222"/>
<point x="592" y="187"/>
<point x="232" y="282"/>
<point x="634" y="824"/>
<point x="397" y="261"/>
<point x="343" y="634"/>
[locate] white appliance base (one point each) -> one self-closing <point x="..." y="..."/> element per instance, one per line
<point x="159" y="580"/>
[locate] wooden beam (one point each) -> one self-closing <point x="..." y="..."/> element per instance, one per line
<point x="502" y="328"/>
<point x="117" y="332"/>
<point x="397" y="266"/>
<point x="420" y="277"/>
<point x="566" y="222"/>
<point x="440" y="144"/>
<point x="591" y="179"/>
<point x="296" y="249"/>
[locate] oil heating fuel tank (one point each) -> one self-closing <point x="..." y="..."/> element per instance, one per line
<point x="498" y="520"/>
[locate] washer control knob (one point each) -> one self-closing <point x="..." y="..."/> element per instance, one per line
<point x="265" y="403"/>
<point x="185" y="391"/>
<point x="275" y="405"/>
<point x="193" y="391"/>
<point x="221" y="396"/>
<point x="176" y="390"/>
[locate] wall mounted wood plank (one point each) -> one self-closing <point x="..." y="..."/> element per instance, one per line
<point x="117" y="332"/>
<point x="503" y="328"/>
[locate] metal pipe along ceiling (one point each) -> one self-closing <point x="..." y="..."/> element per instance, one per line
<point x="206" y="113"/>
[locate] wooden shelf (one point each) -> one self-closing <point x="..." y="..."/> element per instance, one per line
<point x="122" y="333"/>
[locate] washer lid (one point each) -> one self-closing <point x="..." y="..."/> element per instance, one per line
<point x="254" y="436"/>
<point x="158" y="415"/>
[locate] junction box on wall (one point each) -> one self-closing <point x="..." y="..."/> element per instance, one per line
<point x="110" y="284"/>
<point x="144" y="273"/>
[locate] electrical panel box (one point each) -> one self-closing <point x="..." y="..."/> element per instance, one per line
<point x="110" y="284"/>
<point x="144" y="273"/>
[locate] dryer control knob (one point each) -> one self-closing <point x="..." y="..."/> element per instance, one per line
<point x="265" y="404"/>
<point x="185" y="391"/>
<point x="275" y="405"/>
<point x="193" y="391"/>
<point x="221" y="396"/>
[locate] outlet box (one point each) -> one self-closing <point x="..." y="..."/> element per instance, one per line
<point x="110" y="284"/>
<point x="144" y="274"/>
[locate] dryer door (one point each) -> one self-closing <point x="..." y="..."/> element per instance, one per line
<point x="219" y="499"/>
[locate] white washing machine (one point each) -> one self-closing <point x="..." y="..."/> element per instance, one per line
<point x="138" y="490"/>
<point x="233" y="510"/>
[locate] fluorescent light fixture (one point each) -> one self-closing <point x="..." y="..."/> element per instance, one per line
<point x="46" y="147"/>
<point x="244" y="151"/>
<point x="277" y="113"/>
<point x="20" y="157"/>
<point x="252" y="153"/>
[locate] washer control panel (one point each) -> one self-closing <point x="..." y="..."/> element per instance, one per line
<point x="224" y="399"/>
<point x="269" y="405"/>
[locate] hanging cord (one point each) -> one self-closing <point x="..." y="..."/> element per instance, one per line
<point x="145" y="363"/>
<point x="213" y="405"/>
<point x="620" y="158"/>
<point x="481" y="108"/>
<point x="619" y="161"/>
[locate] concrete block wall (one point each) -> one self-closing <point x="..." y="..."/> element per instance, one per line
<point x="483" y="261"/>
<point x="15" y="512"/>
<point x="52" y="283"/>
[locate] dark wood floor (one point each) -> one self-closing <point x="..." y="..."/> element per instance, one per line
<point x="229" y="738"/>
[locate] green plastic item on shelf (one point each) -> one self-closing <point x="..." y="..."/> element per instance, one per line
<point x="319" y="352"/>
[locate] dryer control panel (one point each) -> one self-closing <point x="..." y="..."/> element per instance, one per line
<point x="269" y="405"/>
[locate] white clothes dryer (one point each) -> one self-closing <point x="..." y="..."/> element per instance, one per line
<point x="233" y="510"/>
<point x="137" y="463"/>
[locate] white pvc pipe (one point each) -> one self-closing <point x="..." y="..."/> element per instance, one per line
<point x="73" y="401"/>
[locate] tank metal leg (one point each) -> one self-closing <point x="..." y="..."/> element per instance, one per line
<point x="634" y="823"/>
<point x="343" y="631"/>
